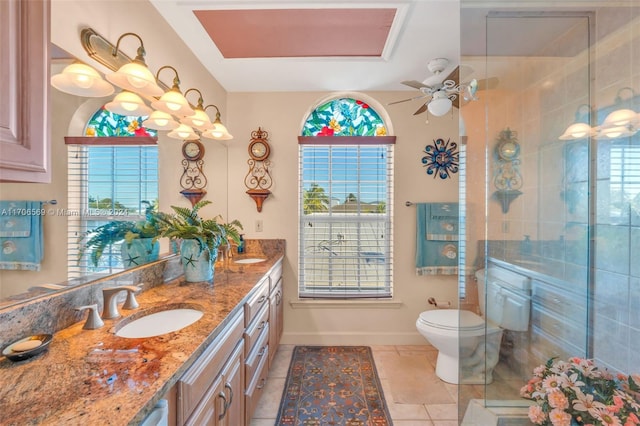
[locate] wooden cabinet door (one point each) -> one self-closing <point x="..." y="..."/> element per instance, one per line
<point x="210" y="408"/>
<point x="24" y="89"/>
<point x="233" y="376"/>
<point x="276" y="314"/>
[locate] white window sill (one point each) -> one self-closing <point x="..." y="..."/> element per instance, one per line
<point x="352" y="304"/>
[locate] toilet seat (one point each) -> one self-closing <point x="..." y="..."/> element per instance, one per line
<point x="452" y="320"/>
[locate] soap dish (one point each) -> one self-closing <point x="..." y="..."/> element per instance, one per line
<point x="28" y="347"/>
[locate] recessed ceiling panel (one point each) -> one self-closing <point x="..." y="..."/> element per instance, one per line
<point x="273" y="33"/>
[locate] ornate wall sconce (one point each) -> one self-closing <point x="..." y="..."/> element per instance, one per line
<point x="258" y="179"/>
<point x="508" y="179"/>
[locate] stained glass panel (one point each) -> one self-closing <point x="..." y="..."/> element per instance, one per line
<point x="344" y="117"/>
<point x="104" y="123"/>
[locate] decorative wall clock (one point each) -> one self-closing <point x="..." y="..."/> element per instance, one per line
<point x="507" y="179"/>
<point x="193" y="180"/>
<point x="442" y="158"/>
<point x="258" y="179"/>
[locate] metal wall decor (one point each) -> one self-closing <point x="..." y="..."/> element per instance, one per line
<point x="508" y="179"/>
<point x="258" y="179"/>
<point x="193" y="180"/>
<point x="442" y="158"/>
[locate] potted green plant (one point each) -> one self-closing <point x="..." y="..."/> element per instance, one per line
<point x="138" y="240"/>
<point x="200" y="239"/>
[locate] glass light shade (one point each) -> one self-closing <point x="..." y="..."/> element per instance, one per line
<point x="200" y="120"/>
<point x="615" y="132"/>
<point x="218" y="131"/>
<point x="81" y="80"/>
<point x="183" y="132"/>
<point x="439" y="105"/>
<point x="576" y="131"/>
<point x="620" y="117"/>
<point x="128" y="104"/>
<point x="160" y="120"/>
<point x="137" y="78"/>
<point x="173" y="102"/>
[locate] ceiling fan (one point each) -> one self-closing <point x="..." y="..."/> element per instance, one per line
<point x="444" y="93"/>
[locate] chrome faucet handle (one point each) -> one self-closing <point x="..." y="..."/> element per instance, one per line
<point x="110" y="310"/>
<point x="93" y="320"/>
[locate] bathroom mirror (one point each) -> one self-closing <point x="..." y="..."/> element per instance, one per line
<point x="69" y="114"/>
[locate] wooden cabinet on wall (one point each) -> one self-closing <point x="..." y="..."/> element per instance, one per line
<point x="24" y="89"/>
<point x="276" y="311"/>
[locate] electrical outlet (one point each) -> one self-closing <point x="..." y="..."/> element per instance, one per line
<point x="258" y="225"/>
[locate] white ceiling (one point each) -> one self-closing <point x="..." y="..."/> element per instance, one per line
<point x="422" y="30"/>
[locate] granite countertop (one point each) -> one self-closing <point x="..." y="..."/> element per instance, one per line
<point x="89" y="377"/>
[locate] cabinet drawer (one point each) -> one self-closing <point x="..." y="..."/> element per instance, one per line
<point x="254" y="330"/>
<point x="256" y="387"/>
<point x="559" y="326"/>
<point x="199" y="377"/>
<point x="569" y="305"/>
<point x="260" y="351"/>
<point x="257" y="301"/>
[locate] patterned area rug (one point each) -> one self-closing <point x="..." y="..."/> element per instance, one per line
<point x="333" y="385"/>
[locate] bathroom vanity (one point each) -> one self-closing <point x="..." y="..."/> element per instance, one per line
<point x="210" y="372"/>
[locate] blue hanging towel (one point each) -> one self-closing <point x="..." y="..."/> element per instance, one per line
<point x="436" y="238"/>
<point x="21" y="244"/>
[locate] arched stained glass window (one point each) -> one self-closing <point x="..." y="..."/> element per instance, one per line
<point x="104" y="123"/>
<point x="344" y="117"/>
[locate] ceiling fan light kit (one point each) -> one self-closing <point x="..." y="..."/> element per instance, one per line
<point x="440" y="104"/>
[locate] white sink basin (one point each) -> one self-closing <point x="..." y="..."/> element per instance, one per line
<point x="250" y="260"/>
<point x="158" y="323"/>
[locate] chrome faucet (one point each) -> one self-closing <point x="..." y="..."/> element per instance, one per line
<point x="110" y="309"/>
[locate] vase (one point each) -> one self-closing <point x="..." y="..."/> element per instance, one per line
<point x="196" y="262"/>
<point x="139" y="251"/>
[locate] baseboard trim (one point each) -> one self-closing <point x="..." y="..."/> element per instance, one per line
<point x="353" y="338"/>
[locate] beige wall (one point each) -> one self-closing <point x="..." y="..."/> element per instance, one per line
<point x="282" y="115"/>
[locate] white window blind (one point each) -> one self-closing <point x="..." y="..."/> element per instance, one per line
<point x="107" y="183"/>
<point x="345" y="225"/>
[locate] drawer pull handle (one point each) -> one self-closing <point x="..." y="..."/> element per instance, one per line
<point x="262" y="350"/>
<point x="261" y="385"/>
<point x="262" y="298"/>
<point x="228" y="386"/>
<point x="224" y="405"/>
<point x="278" y="297"/>
<point x="261" y="326"/>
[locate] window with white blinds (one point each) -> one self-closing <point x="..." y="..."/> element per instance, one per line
<point x="107" y="183"/>
<point x="345" y="215"/>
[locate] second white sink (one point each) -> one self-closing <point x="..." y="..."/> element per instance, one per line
<point x="250" y="260"/>
<point x="159" y="323"/>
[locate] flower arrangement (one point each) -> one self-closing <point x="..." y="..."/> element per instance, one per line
<point x="576" y="392"/>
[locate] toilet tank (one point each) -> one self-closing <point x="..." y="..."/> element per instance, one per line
<point x="505" y="298"/>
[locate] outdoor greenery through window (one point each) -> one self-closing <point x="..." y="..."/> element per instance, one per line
<point x="345" y="202"/>
<point x="108" y="183"/>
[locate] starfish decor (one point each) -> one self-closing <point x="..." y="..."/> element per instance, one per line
<point x="190" y="261"/>
<point x="442" y="158"/>
<point x="132" y="260"/>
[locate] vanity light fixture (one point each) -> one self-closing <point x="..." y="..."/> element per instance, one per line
<point x="579" y="129"/>
<point x="200" y="120"/>
<point x="128" y="104"/>
<point x="160" y="120"/>
<point x="173" y="102"/>
<point x="217" y="131"/>
<point x="135" y="76"/>
<point x="183" y="132"/>
<point x="81" y="80"/>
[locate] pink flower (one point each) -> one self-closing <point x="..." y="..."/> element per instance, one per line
<point x="606" y="417"/>
<point x="586" y="403"/>
<point x="558" y="400"/>
<point x="536" y="415"/>
<point x="559" y="417"/>
<point x="552" y="383"/>
<point x="632" y="420"/>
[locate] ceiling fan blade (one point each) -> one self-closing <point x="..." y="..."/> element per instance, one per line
<point x="454" y="75"/>
<point x="420" y="110"/>
<point x="415" y="84"/>
<point x="406" y="100"/>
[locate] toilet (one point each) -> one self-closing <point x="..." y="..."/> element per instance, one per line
<point x="469" y="345"/>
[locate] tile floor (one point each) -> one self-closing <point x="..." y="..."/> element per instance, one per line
<point x="437" y="408"/>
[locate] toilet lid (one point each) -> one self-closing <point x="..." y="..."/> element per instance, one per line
<point x="452" y="319"/>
